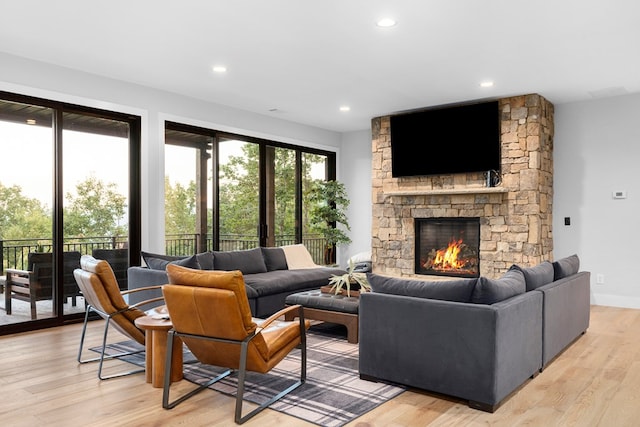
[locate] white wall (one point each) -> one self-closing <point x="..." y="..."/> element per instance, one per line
<point x="23" y="76"/>
<point x="355" y="168"/>
<point x="597" y="152"/>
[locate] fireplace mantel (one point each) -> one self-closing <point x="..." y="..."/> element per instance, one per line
<point x="445" y="191"/>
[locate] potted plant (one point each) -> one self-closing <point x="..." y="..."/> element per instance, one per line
<point x="329" y="202"/>
<point x="358" y="281"/>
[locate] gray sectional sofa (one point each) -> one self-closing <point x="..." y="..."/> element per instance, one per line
<point x="270" y="274"/>
<point x="474" y="339"/>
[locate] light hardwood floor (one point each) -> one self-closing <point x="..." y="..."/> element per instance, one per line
<point x="595" y="382"/>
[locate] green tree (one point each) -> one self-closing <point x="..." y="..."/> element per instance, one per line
<point x="22" y="217"/>
<point x="239" y="192"/>
<point x="95" y="210"/>
<point x="180" y="207"/>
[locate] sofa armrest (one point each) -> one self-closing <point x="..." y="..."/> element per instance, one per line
<point x="566" y="311"/>
<point x="142" y="277"/>
<point x="476" y="352"/>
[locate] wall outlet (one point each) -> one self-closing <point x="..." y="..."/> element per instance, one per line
<point x="599" y="279"/>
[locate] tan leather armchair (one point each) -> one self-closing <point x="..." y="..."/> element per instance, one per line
<point x="99" y="286"/>
<point x="210" y="313"/>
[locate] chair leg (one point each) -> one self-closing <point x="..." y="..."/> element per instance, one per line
<point x="167" y="378"/>
<point x="239" y="419"/>
<point x="34" y="315"/>
<point x="102" y="356"/>
<point x="7" y="296"/>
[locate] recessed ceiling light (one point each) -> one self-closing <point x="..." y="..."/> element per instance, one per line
<point x="219" y="69"/>
<point x="386" y="23"/>
<point x="345" y="108"/>
<point x="31" y="121"/>
<point x="486" y="84"/>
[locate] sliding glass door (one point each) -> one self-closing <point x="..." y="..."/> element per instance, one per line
<point x="69" y="186"/>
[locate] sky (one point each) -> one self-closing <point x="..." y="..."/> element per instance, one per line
<point x="27" y="160"/>
<point x="27" y="153"/>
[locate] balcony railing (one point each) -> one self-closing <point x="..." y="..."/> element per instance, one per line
<point x="14" y="252"/>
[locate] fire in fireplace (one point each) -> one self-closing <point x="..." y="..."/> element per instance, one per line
<point x="448" y="246"/>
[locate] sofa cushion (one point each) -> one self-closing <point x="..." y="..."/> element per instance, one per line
<point x="161" y="264"/>
<point x="298" y="256"/>
<point x="274" y="259"/>
<point x="566" y="267"/>
<point x="489" y="291"/>
<point x="458" y="290"/>
<point x="248" y="261"/>
<point x="148" y="255"/>
<point x="281" y="281"/>
<point x="205" y="259"/>
<point x="538" y="275"/>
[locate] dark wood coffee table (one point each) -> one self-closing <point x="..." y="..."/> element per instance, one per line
<point x="328" y="307"/>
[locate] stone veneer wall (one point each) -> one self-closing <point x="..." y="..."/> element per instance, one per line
<point x="515" y="217"/>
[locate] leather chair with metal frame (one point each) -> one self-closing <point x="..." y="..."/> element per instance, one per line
<point x="103" y="296"/>
<point x="211" y="315"/>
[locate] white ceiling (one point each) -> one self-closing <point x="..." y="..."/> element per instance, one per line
<point x="305" y="59"/>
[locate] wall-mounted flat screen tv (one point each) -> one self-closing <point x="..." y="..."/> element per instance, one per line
<point x="448" y="140"/>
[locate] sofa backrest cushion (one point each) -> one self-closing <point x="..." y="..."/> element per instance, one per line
<point x="538" y="275"/>
<point x="458" y="290"/>
<point x="205" y="259"/>
<point x="161" y="264"/>
<point x="489" y="291"/>
<point x="274" y="259"/>
<point x="248" y="261"/>
<point x="146" y="256"/>
<point x="298" y="256"/>
<point x="567" y="266"/>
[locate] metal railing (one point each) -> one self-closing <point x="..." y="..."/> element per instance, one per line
<point x="14" y="252"/>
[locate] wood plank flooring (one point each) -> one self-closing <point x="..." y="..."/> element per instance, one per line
<point x="595" y="382"/>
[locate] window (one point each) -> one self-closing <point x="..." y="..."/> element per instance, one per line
<point x="69" y="186"/>
<point x="254" y="191"/>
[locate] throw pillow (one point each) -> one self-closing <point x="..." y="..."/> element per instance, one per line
<point x="538" y="275"/>
<point x="274" y="259"/>
<point x="248" y="261"/>
<point x="161" y="264"/>
<point x="298" y="257"/>
<point x="566" y="267"/>
<point x="458" y="290"/>
<point x="148" y="255"/>
<point x="205" y="259"/>
<point x="489" y="291"/>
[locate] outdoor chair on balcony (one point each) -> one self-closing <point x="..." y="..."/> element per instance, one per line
<point x="102" y="294"/>
<point x="210" y="314"/>
<point x="36" y="283"/>
<point x="118" y="259"/>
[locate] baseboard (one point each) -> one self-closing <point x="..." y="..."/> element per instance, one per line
<point x="614" y="300"/>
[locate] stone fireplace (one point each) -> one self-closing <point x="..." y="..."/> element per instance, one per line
<point x="514" y="217"/>
<point x="447" y="246"/>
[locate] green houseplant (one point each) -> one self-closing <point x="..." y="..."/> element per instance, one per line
<point x="329" y="202"/>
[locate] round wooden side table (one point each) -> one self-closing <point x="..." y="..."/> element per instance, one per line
<point x="156" y="329"/>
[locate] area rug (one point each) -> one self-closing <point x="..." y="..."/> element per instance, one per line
<point x="332" y="395"/>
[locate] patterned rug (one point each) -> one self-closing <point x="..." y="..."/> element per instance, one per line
<point x="332" y="395"/>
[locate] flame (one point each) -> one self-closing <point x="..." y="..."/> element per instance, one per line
<point x="448" y="258"/>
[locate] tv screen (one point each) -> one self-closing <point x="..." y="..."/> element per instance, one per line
<point x="448" y="140"/>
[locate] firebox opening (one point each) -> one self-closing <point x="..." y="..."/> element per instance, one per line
<point x="448" y="246"/>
